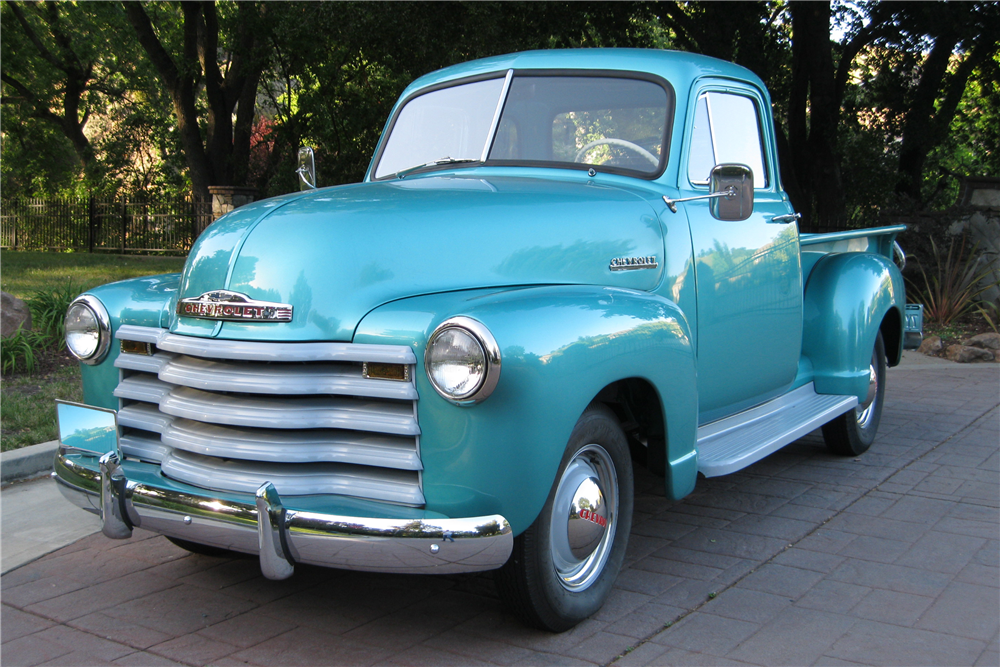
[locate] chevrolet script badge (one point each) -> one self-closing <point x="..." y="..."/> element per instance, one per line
<point x="233" y="307"/>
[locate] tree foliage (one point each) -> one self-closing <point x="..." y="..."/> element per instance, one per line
<point x="876" y="104"/>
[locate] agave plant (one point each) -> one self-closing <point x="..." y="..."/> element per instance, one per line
<point x="951" y="286"/>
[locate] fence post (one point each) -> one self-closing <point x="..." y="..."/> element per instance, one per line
<point x="194" y="222"/>
<point x="124" y="223"/>
<point x="91" y="222"/>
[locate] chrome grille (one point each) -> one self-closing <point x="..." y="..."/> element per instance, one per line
<point x="231" y="415"/>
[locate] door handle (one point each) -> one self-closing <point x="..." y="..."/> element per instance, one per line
<point x="789" y="217"/>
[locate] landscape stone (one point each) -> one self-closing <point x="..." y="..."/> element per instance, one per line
<point x="930" y="346"/>
<point x="965" y="354"/>
<point x="14" y="314"/>
<point x="987" y="341"/>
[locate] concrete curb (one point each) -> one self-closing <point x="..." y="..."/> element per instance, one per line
<point x="27" y="462"/>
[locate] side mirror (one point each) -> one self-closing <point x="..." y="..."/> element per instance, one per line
<point x="306" y="169"/>
<point x="735" y="181"/>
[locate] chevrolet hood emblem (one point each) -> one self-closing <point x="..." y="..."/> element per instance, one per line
<point x="233" y="307"/>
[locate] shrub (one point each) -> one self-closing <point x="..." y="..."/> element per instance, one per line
<point x="48" y="310"/>
<point x="18" y="352"/>
<point x="951" y="286"/>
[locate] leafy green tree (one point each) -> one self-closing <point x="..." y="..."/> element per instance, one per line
<point x="61" y="70"/>
<point x="199" y="46"/>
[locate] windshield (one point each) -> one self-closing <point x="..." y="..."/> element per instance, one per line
<point x="617" y="124"/>
<point x="451" y="123"/>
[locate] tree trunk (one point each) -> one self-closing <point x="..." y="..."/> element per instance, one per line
<point x="815" y="153"/>
<point x="221" y="158"/>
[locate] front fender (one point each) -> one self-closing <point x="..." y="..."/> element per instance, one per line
<point x="145" y="302"/>
<point x="847" y="297"/>
<point x="560" y="345"/>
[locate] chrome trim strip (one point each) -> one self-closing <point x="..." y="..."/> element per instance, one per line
<point x="242" y="350"/>
<point x="426" y="545"/>
<point x="496" y="115"/>
<point x="810" y="239"/>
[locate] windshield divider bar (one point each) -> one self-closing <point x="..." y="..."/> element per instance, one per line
<point x="496" y="115"/>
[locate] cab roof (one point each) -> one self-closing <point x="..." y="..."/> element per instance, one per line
<point x="680" y="68"/>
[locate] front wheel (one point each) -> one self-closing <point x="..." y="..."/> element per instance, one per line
<point x="203" y="549"/>
<point x="853" y="432"/>
<point x="564" y="565"/>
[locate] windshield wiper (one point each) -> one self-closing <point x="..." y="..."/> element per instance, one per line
<point x="436" y="163"/>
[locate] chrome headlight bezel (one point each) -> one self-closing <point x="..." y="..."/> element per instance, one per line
<point x="102" y="325"/>
<point x="491" y="360"/>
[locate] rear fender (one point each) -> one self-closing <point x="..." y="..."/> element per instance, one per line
<point x="560" y="346"/>
<point x="847" y="298"/>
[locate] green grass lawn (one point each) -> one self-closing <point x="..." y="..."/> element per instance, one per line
<point x="27" y="400"/>
<point x="25" y="272"/>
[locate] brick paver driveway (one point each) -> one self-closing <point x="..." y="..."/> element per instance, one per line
<point x="889" y="558"/>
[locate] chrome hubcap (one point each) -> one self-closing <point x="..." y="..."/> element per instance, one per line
<point x="584" y="518"/>
<point x="866" y="410"/>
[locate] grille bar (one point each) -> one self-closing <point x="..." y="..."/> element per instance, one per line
<point x="144" y="447"/>
<point x="293" y="447"/>
<point x="332" y="478"/>
<point x="291" y="413"/>
<point x="259" y="378"/>
<point x="253" y="351"/>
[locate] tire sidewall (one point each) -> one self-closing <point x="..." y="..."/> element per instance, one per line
<point x="866" y="436"/>
<point x="597" y="426"/>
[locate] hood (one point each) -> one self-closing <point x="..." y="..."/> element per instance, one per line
<point x="335" y="254"/>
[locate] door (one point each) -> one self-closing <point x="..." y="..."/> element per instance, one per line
<point x="748" y="273"/>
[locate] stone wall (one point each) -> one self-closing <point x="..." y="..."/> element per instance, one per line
<point x="227" y="197"/>
<point x="974" y="221"/>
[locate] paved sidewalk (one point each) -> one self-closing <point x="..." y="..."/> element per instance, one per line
<point x="804" y="558"/>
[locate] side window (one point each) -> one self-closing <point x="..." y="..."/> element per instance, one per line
<point x="725" y="130"/>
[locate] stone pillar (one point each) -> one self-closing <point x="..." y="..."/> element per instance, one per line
<point x="227" y="197"/>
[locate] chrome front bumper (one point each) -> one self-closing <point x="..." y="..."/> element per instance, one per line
<point x="281" y="536"/>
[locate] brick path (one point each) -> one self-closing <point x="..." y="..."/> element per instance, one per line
<point x="803" y="558"/>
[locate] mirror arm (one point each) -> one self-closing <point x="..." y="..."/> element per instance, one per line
<point x="303" y="173"/>
<point x="728" y="193"/>
<point x="307" y="169"/>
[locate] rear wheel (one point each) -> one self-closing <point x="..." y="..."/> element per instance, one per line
<point x="853" y="432"/>
<point x="563" y="567"/>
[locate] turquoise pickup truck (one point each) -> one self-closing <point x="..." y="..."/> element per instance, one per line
<point x="561" y="265"/>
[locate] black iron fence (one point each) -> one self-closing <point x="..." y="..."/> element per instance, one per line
<point x="103" y="225"/>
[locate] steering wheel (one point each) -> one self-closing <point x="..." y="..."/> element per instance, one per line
<point x="618" y="142"/>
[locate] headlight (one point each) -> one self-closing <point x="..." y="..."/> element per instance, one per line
<point x="462" y="361"/>
<point x="88" y="329"/>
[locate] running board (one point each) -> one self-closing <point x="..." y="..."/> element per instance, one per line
<point x="733" y="443"/>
